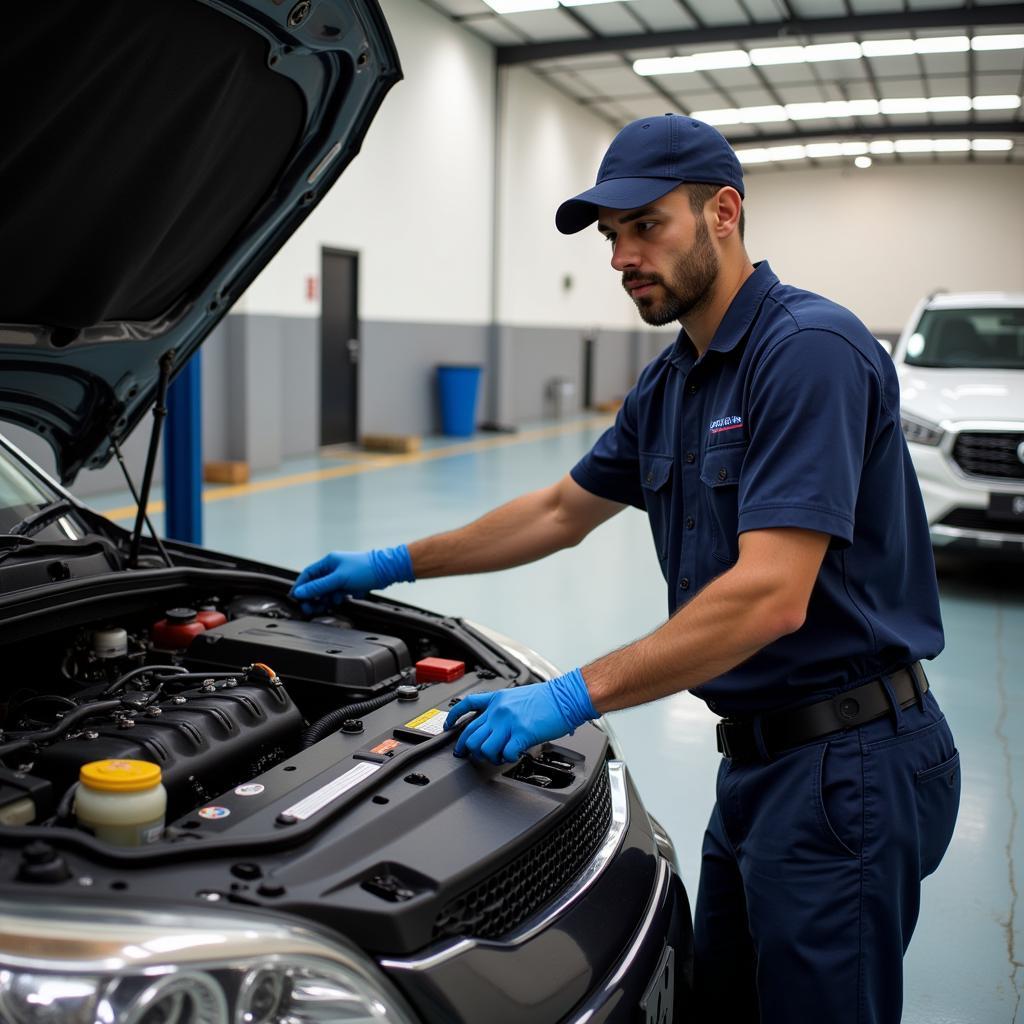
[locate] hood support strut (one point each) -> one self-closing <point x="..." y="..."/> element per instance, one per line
<point x="159" y="412"/>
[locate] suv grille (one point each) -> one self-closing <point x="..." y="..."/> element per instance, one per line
<point x="977" y="519"/>
<point x="521" y="887"/>
<point x="990" y="454"/>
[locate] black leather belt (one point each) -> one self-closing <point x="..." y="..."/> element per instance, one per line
<point x="781" y="730"/>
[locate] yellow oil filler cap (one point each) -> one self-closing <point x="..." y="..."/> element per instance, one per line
<point x="119" y="775"/>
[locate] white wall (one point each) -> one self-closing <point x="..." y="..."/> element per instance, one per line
<point x="551" y="149"/>
<point x="416" y="202"/>
<point x="877" y="240"/>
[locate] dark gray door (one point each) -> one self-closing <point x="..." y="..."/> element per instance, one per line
<point x="339" y="346"/>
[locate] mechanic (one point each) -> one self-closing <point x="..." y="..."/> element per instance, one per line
<point x="765" y="446"/>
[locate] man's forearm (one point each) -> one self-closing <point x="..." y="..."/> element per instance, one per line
<point x="734" y="617"/>
<point x="520" y="531"/>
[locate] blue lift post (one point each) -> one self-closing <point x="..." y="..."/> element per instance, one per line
<point x="183" y="456"/>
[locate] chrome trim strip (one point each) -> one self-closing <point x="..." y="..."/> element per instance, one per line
<point x="586" y="878"/>
<point x="992" y="538"/>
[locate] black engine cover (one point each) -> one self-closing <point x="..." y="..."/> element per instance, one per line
<point x="323" y="665"/>
<point x="208" y="745"/>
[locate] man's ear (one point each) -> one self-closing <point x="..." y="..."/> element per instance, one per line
<point x="725" y="209"/>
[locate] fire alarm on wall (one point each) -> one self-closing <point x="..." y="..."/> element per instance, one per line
<point x="312" y="287"/>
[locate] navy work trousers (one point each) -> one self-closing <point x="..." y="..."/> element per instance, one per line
<point x="811" y="873"/>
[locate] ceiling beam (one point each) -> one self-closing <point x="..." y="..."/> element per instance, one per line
<point x="901" y="21"/>
<point x="964" y="130"/>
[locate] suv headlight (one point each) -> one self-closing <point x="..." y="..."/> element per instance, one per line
<point x="63" y="966"/>
<point x="921" y="431"/>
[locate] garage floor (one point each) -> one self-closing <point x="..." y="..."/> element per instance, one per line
<point x="966" y="964"/>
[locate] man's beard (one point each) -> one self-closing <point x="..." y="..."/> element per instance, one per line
<point x="693" y="276"/>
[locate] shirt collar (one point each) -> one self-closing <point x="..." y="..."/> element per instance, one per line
<point x="738" y="317"/>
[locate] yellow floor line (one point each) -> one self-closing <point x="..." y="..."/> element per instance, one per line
<point x="372" y="463"/>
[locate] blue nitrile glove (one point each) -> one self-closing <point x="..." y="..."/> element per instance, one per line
<point x="510" y="721"/>
<point x="341" y="573"/>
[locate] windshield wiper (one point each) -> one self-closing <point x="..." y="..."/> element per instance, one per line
<point x="42" y="517"/>
<point x="14" y="544"/>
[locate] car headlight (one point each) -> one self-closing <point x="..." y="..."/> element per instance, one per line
<point x="64" y="966"/>
<point x="921" y="431"/>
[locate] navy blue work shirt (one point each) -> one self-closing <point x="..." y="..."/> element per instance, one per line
<point x="791" y="418"/>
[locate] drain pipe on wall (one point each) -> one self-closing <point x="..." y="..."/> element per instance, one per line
<point x="497" y="346"/>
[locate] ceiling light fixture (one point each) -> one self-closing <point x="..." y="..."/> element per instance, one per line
<point x="942" y="44"/>
<point x="584" y="3"/>
<point x="1014" y="42"/>
<point x="520" y="6"/>
<point x="996" y="102"/>
<point x="991" y="145"/>
<point x="861" y="150"/>
<point x="769" y="56"/>
<point x="888" y="47"/>
<point x="855" y="108"/>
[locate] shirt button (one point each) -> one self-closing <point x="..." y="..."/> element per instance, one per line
<point x="723" y="473"/>
<point x="690" y="522"/>
<point x="693" y="389"/>
<point x="690" y="457"/>
<point x="684" y="584"/>
<point x="650" y="477"/>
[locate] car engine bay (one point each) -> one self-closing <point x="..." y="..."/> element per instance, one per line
<point x="192" y="690"/>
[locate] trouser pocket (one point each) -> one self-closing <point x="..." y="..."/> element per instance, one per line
<point x="839" y="795"/>
<point x="937" y="790"/>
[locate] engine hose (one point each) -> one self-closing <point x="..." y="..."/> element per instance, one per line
<point x="20" y="741"/>
<point x="333" y="719"/>
<point x="119" y="684"/>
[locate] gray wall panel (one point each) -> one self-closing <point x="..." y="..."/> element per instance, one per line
<point x="301" y="382"/>
<point x="397" y="387"/>
<point x="613" y="365"/>
<point x="538" y="356"/>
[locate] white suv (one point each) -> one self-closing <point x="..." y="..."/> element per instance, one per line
<point x="960" y="361"/>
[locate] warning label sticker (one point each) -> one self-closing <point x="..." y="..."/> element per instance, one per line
<point x="328" y="794"/>
<point x="431" y="721"/>
<point x="386" y="747"/>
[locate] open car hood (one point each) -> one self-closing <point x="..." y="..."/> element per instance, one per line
<point x="158" y="155"/>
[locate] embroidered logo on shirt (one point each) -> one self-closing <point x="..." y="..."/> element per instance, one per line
<point x="726" y="423"/>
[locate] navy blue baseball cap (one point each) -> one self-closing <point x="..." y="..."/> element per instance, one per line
<point x="646" y="160"/>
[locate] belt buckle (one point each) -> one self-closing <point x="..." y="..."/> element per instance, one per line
<point x="722" y="739"/>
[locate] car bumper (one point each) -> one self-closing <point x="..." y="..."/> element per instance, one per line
<point x="595" y="961"/>
<point x="957" y="504"/>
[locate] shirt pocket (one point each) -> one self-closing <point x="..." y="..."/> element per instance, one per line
<point x="656" y="479"/>
<point x="720" y="475"/>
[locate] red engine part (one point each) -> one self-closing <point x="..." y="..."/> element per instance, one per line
<point x="439" y="670"/>
<point x="211" y="618"/>
<point x="178" y="630"/>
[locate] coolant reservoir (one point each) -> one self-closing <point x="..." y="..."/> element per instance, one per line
<point x="123" y="802"/>
<point x="178" y="630"/>
<point x="211" y="618"/>
<point x="111" y="642"/>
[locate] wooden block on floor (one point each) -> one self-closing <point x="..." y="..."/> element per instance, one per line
<point x="612" y="406"/>
<point x="401" y="444"/>
<point x="226" y="472"/>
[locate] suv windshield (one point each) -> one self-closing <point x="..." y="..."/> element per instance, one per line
<point x="21" y="495"/>
<point x="986" y="339"/>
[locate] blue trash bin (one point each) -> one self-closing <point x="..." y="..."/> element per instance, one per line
<point x="458" y="386"/>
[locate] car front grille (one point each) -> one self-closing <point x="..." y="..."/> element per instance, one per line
<point x="977" y="519"/>
<point x="517" y="890"/>
<point x="990" y="454"/>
